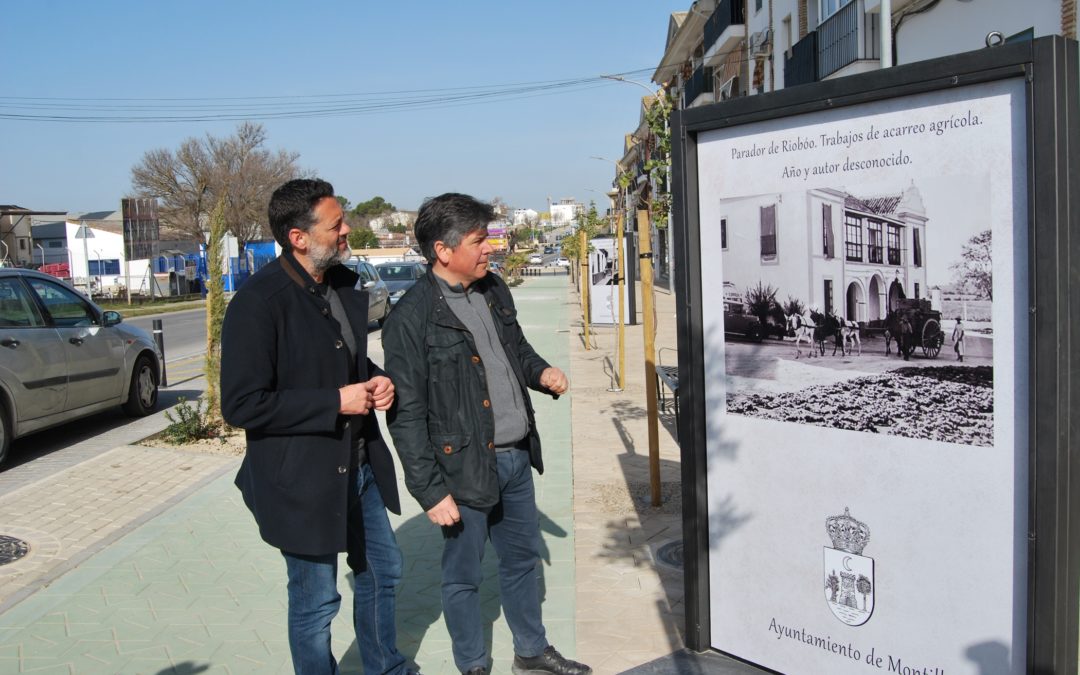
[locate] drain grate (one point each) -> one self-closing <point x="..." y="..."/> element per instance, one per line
<point x="11" y="549"/>
<point x="671" y="554"/>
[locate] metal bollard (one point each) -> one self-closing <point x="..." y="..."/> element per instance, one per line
<point x="159" y="338"/>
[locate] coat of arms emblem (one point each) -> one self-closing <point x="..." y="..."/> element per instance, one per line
<point x="849" y="575"/>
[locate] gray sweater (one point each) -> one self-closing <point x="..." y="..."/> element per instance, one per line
<point x="504" y="392"/>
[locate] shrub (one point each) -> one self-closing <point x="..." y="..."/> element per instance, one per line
<point x="191" y="423"/>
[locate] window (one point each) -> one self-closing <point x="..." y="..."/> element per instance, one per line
<point x="873" y="248"/>
<point x="828" y="296"/>
<point x="916" y="291"/>
<point x="893" y="243"/>
<point x="916" y="249"/>
<point x="723" y="233"/>
<point x="853" y="237"/>
<point x="56" y="244"/>
<point x="768" y="232"/>
<point x="66" y="307"/>
<point x="757" y="5"/>
<point x="22" y="244"/>
<point x="828" y="242"/>
<point x="786" y="31"/>
<point x="830" y="7"/>
<point x="17" y="310"/>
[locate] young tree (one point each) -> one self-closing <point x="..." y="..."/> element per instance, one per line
<point x="975" y="270"/>
<point x="215" y="311"/>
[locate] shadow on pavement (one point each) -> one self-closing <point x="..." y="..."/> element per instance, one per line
<point x="185" y="668"/>
<point x="420" y="597"/>
<point x="39" y="444"/>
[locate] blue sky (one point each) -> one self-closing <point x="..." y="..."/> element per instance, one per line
<point x="521" y="149"/>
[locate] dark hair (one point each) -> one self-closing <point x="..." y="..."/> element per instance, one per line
<point x="448" y="218"/>
<point x="293" y="205"/>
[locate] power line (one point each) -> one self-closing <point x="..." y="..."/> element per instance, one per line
<point x="193" y="109"/>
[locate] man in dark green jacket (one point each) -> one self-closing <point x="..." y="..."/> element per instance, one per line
<point x="317" y="475"/>
<point x="464" y="428"/>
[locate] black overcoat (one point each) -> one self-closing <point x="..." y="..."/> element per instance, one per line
<point x="282" y="361"/>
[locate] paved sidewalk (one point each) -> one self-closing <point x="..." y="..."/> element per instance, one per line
<point x="147" y="561"/>
<point x="194" y="590"/>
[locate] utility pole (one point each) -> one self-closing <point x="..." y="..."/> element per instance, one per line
<point x="622" y="299"/>
<point x="645" y="256"/>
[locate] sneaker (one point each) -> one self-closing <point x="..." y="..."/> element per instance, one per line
<point x="479" y="670"/>
<point x="550" y="661"/>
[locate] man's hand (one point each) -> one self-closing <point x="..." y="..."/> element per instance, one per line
<point x="382" y="391"/>
<point x="356" y="399"/>
<point x="554" y="380"/>
<point x="445" y="513"/>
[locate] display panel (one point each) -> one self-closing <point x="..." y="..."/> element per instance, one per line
<point x="865" y="338"/>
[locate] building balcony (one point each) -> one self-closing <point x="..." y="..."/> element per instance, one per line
<point x="723" y="31"/>
<point x="850" y="36"/>
<point x="801" y="67"/>
<point x="699" y="86"/>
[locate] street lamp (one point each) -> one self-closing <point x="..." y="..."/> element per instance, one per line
<point x="619" y="78"/>
<point x="42" y="248"/>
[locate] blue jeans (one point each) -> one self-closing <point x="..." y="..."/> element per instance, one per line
<point x="514" y="529"/>
<point x="375" y="560"/>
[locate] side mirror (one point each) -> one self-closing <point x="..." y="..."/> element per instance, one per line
<point x="111" y="318"/>
<point x="369" y="283"/>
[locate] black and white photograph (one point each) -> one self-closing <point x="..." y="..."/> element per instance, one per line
<point x="866" y="308"/>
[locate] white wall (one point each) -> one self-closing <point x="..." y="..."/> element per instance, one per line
<point x="954" y="27"/>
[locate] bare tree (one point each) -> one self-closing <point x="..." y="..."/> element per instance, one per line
<point x="236" y="169"/>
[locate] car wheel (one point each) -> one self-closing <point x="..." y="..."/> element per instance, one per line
<point x="143" y="393"/>
<point x="386" y="313"/>
<point x="5" y="434"/>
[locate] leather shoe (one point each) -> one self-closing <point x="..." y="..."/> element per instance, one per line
<point x="550" y="661"/>
<point x="479" y="670"/>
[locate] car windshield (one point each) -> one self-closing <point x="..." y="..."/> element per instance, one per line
<point x="397" y="272"/>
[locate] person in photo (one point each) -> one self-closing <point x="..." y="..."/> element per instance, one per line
<point x="958" y="339"/>
<point x="464" y="428"/>
<point x="317" y="475"/>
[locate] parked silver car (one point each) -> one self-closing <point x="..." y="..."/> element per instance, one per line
<point x="378" y="293"/>
<point x="62" y="357"/>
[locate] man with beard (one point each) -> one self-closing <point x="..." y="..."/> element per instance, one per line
<point x="317" y="475"/>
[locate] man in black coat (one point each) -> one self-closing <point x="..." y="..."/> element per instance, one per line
<point x="317" y="475"/>
<point x="464" y="428"/>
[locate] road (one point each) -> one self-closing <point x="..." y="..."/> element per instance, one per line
<point x="184" y="332"/>
<point x="42" y="454"/>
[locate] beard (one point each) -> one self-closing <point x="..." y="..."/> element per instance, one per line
<point x="325" y="257"/>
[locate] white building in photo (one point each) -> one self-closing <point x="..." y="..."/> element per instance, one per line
<point x="850" y="254"/>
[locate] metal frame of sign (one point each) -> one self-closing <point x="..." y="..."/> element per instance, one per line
<point x="1048" y="67"/>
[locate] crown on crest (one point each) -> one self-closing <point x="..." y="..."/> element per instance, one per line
<point x="847" y="534"/>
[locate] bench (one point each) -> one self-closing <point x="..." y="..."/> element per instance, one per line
<point x="668" y="376"/>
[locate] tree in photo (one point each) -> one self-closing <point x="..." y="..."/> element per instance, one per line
<point x="832" y="582"/>
<point x="863" y="586"/>
<point x="362" y="237"/>
<point x="793" y="306"/>
<point x="376" y="206"/>
<point x="975" y="273"/>
<point x="761" y="300"/>
<point x="237" y="171"/>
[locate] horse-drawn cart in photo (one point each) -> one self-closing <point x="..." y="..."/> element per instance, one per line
<point x="923" y="328"/>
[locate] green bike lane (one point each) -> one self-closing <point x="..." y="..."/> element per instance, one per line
<point x="195" y="590"/>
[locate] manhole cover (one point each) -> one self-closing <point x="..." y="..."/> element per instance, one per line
<point x="671" y="554"/>
<point x="11" y="549"/>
